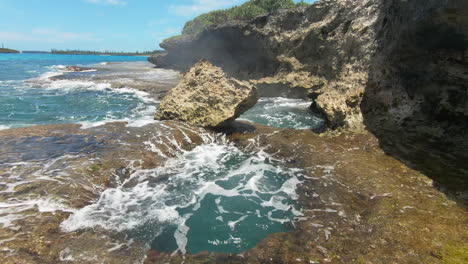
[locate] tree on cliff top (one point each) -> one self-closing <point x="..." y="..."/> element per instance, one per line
<point x="246" y="11"/>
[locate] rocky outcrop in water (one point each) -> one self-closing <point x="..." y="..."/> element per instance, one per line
<point x="135" y="75"/>
<point x="207" y="97"/>
<point x="73" y="68"/>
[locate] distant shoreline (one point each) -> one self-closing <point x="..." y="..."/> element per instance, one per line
<point x="3" y="50"/>
<point x="106" y="53"/>
<point x="79" y="52"/>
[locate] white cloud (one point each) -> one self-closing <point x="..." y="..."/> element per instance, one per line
<point x="107" y="2"/>
<point x="201" y="6"/>
<point x="47" y="35"/>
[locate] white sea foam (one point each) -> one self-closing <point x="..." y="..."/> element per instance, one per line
<point x="3" y="127"/>
<point x="184" y="182"/>
<point x="137" y="119"/>
<point x="278" y="102"/>
<point x="139" y="116"/>
<point x="11" y="211"/>
<point x="180" y="235"/>
<point x="284" y="112"/>
<point x="232" y="224"/>
<point x="44" y="81"/>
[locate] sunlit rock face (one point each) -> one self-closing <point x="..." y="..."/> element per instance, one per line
<point x="207" y="97"/>
<point x="322" y="49"/>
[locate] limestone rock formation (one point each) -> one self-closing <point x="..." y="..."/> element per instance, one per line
<point x="207" y="97"/>
<point x="398" y="52"/>
<point x="397" y="68"/>
<point x="321" y="49"/>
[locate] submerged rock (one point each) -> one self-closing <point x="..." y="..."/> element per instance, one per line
<point x="207" y="97"/>
<point x="73" y="68"/>
<point x="138" y="75"/>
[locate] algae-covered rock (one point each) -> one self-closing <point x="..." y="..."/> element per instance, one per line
<point x="207" y="97"/>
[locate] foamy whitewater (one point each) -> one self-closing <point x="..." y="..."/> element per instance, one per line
<point x="29" y="97"/>
<point x="214" y="197"/>
<point x="286" y="113"/>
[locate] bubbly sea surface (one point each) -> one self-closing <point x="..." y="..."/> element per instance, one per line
<point x="215" y="197"/>
<point x="28" y="97"/>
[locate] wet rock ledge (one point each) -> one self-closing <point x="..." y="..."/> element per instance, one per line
<point x="48" y="172"/>
<point x="385" y="89"/>
<point x="359" y="205"/>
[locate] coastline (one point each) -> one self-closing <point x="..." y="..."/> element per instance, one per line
<point x="380" y="179"/>
<point x="342" y="195"/>
<point x="133" y="87"/>
<point x="3" y="50"/>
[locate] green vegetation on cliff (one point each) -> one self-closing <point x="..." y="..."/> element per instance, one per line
<point x="246" y="11"/>
<point x="3" y="50"/>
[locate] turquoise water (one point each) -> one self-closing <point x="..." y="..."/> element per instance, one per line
<point x="215" y="197"/>
<point x="285" y="113"/>
<point x="28" y="97"/>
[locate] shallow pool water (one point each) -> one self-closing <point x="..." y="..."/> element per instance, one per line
<point x="285" y="113"/>
<point x="214" y="197"/>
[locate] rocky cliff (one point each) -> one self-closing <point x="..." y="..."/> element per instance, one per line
<point x="323" y="50"/>
<point x="339" y="50"/>
<point x="397" y="68"/>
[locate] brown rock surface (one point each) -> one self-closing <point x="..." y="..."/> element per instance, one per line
<point x="360" y="206"/>
<point x="207" y="97"/>
<point x="50" y="171"/>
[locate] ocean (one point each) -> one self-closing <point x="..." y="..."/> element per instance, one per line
<point x="31" y="96"/>
<point x="28" y="97"/>
<point x="209" y="197"/>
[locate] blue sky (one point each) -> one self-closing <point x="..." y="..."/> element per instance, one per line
<point x="116" y="25"/>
